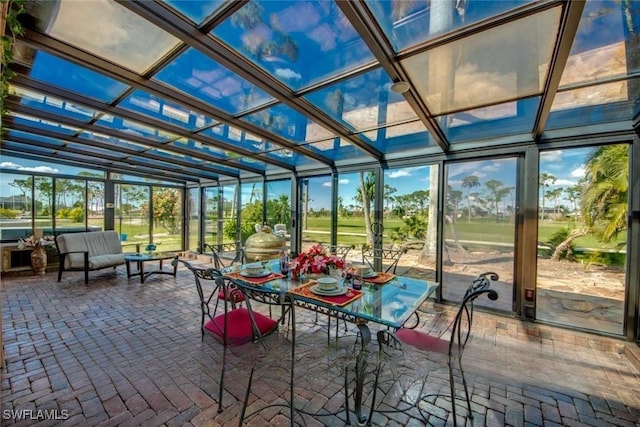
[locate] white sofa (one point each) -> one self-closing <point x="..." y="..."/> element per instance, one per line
<point x="88" y="251"/>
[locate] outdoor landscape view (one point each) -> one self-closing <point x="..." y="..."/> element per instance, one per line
<point x="582" y="221"/>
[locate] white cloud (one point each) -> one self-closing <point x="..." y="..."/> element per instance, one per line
<point x="45" y="169"/>
<point x="551" y="156"/>
<point x="326" y="184"/>
<point x="565" y="182"/>
<point x="399" y="173"/>
<point x="287" y="73"/>
<point x="578" y="172"/>
<point x="343" y="181"/>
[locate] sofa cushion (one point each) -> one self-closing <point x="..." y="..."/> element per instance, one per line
<point x="72" y="242"/>
<point x="107" y="260"/>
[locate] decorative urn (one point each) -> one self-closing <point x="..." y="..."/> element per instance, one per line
<point x="263" y="245"/>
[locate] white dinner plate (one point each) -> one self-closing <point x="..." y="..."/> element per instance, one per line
<point x="262" y="273"/>
<point x="332" y="293"/>
<point x="370" y="275"/>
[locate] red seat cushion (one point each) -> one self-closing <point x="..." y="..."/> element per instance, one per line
<point x="422" y="340"/>
<point x="239" y="330"/>
<point x="236" y="295"/>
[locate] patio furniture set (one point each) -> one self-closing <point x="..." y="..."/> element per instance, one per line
<point x="386" y="300"/>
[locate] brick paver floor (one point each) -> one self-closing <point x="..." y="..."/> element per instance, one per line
<point x="121" y="353"/>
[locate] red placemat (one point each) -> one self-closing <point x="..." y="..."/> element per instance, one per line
<point x="255" y="280"/>
<point x="381" y="278"/>
<point x="339" y="300"/>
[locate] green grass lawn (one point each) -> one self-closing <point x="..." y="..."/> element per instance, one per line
<point x="351" y="231"/>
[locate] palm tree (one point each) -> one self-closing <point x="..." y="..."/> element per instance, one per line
<point x="470" y="182"/>
<point x="604" y="199"/>
<point x="365" y="195"/>
<point x="497" y="193"/>
<point x="604" y="196"/>
<point x="545" y="180"/>
<point x="555" y="195"/>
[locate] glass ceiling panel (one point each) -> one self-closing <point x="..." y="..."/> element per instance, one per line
<point x="9" y="145"/>
<point x="157" y="163"/>
<point x="134" y="128"/>
<point x="53" y="105"/>
<point x="363" y="102"/>
<point x="297" y="42"/>
<point x="110" y="31"/>
<point x="294" y="158"/>
<point x="407" y="23"/>
<point x="404" y="137"/>
<point x="67" y="75"/>
<point x="201" y="77"/>
<point x="25" y="135"/>
<point x="497" y="65"/>
<point x="166" y="111"/>
<point x="604" y="103"/>
<point x="604" y="47"/>
<point x="240" y="138"/>
<point x="117" y="142"/>
<point x="197" y="11"/>
<point x="337" y="149"/>
<point x="509" y="118"/>
<point x="198" y="147"/>
<point x="288" y="123"/>
<point x="99" y="152"/>
<point x="42" y="124"/>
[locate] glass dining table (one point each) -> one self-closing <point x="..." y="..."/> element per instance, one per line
<point x="390" y="304"/>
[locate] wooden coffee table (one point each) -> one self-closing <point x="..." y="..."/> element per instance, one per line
<point x="141" y="258"/>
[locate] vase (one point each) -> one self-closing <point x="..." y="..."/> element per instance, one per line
<point x="39" y="260"/>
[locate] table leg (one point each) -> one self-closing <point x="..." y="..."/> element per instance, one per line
<point x="128" y="264"/>
<point x="141" y="270"/>
<point x="174" y="263"/>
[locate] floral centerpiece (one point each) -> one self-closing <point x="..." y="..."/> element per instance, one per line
<point x="317" y="261"/>
<point x="34" y="242"/>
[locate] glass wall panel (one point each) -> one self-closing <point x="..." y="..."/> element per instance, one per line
<point x="352" y="225"/>
<point x="95" y="205"/>
<point x="410" y="207"/>
<point x="167" y="218"/>
<point x="251" y="204"/>
<point x="315" y="210"/>
<point x="582" y="237"/>
<point x="479" y="227"/>
<point x="43" y="199"/>
<point x="70" y="203"/>
<point x="132" y="214"/>
<point x="279" y="206"/>
<point x="212" y="228"/>
<point x="15" y="206"/>
<point x="229" y="198"/>
<point x="193" y="206"/>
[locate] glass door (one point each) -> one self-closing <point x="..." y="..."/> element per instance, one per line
<point x="479" y="227"/>
<point x="582" y="237"/>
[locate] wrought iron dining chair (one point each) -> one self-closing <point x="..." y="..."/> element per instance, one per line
<point x="225" y="254"/>
<point x="235" y="325"/>
<point x="338" y="250"/>
<point x="274" y="355"/>
<point x="450" y="342"/>
<point x="390" y="258"/>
